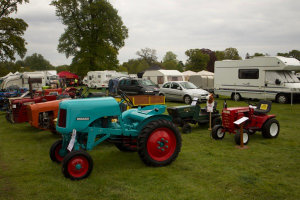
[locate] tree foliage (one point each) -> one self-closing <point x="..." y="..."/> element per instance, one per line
<point x="36" y="62"/>
<point x="170" y="61"/>
<point x="134" y="66"/>
<point x="94" y="33"/>
<point x="11" y="31"/>
<point x="231" y="54"/>
<point x="149" y="55"/>
<point x="197" y="60"/>
<point x="293" y="53"/>
<point x="220" y="55"/>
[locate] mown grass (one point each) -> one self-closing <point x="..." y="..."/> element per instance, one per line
<point x="205" y="168"/>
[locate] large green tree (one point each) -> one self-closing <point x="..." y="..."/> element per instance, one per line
<point x="11" y="31"/>
<point x="149" y="55"/>
<point x="134" y="66"/>
<point x="231" y="54"/>
<point x="94" y="33"/>
<point x="170" y="61"/>
<point x="197" y="60"/>
<point x="36" y="62"/>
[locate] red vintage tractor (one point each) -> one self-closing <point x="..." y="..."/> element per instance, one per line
<point x="255" y="118"/>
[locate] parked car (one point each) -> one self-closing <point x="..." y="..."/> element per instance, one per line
<point x="134" y="86"/>
<point x="182" y="91"/>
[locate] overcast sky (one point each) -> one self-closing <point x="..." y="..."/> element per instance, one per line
<point x="264" y="26"/>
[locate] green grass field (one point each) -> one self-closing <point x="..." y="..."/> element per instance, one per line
<point x="204" y="169"/>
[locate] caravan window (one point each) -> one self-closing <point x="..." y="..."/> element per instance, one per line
<point x="99" y="76"/>
<point x="108" y="75"/>
<point x="175" y="78"/>
<point x="248" y="73"/>
<point x="90" y="78"/>
<point x="160" y="80"/>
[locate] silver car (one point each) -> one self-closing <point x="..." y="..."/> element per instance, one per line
<point x="182" y="91"/>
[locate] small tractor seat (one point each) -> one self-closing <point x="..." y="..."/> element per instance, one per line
<point x="263" y="107"/>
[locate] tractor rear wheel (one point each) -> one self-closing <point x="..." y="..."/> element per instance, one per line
<point x="245" y="137"/>
<point x="271" y="128"/>
<point x="77" y="165"/>
<point x="186" y="128"/>
<point x="159" y="143"/>
<point x="54" y="152"/>
<point x="218" y="132"/>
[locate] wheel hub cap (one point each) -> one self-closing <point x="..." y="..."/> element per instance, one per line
<point x="273" y="129"/>
<point x="161" y="144"/>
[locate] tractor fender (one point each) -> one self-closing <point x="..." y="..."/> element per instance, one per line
<point x="266" y="118"/>
<point x="153" y="118"/>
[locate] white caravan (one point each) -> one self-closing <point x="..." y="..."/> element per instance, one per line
<point x="161" y="76"/>
<point x="268" y="78"/>
<point x="99" y="79"/>
<point x="21" y="80"/>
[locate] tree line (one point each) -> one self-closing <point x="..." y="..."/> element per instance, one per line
<point x="93" y="36"/>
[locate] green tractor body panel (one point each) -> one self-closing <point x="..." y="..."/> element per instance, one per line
<point x="191" y="114"/>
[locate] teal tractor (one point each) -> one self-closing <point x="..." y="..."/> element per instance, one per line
<point x="85" y="123"/>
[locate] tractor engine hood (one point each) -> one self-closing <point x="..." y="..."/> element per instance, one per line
<point x="82" y="112"/>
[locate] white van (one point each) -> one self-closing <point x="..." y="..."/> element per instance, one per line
<point x="269" y="78"/>
<point x="99" y="79"/>
<point x="161" y="76"/>
<point x="21" y="80"/>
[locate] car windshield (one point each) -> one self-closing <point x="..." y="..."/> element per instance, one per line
<point x="188" y="85"/>
<point x="146" y="82"/>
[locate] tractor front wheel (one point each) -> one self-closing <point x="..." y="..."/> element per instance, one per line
<point x="218" y="132"/>
<point x="271" y="128"/>
<point x="77" y="165"/>
<point x="186" y="128"/>
<point x="238" y="139"/>
<point x="159" y="143"/>
<point x="55" y="154"/>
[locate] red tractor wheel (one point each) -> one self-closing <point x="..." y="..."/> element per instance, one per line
<point x="77" y="165"/>
<point x="245" y="137"/>
<point x="55" y="154"/>
<point x="218" y="132"/>
<point x="159" y="143"/>
<point x="271" y="128"/>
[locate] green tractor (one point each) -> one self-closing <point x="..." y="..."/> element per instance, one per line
<point x="85" y="123"/>
<point x="183" y="116"/>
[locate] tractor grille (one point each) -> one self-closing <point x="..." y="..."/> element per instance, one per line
<point x="62" y="118"/>
<point x="227" y="119"/>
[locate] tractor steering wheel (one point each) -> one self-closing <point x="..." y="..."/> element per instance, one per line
<point x="126" y="98"/>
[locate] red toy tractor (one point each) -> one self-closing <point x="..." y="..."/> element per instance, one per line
<point x="255" y="119"/>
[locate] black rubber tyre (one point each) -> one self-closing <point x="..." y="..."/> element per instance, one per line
<point x="216" y="121"/>
<point x="159" y="143"/>
<point x="236" y="97"/>
<point x="54" y="152"/>
<point x="270" y="128"/>
<point x="186" y="128"/>
<point x="77" y="165"/>
<point x="282" y="98"/>
<point x="187" y="99"/>
<point x="217" y="132"/>
<point x="245" y="137"/>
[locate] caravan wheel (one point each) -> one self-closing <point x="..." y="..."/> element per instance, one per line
<point x="236" y="97"/>
<point x="282" y="98"/>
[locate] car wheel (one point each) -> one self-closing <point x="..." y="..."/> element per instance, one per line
<point x="187" y="99"/>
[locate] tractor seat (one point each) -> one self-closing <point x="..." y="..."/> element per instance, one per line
<point x="263" y="107"/>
